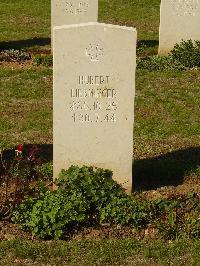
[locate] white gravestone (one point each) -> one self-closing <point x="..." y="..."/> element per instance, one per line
<point x="180" y="20"/>
<point x="94" y="89"/>
<point x="65" y="12"/>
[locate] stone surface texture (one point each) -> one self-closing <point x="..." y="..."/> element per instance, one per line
<point x="94" y="89"/>
<point x="179" y="20"/>
<point x="65" y="12"/>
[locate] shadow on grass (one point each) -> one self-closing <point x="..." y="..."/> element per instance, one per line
<point x="21" y="44"/>
<point x="45" y="151"/>
<point x="148" y="43"/>
<point x="165" y="170"/>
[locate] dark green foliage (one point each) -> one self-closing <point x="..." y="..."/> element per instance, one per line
<point x="96" y="185"/>
<point x="88" y="196"/>
<point x="45" y="60"/>
<point x="108" y="201"/>
<point x="184" y="55"/>
<point x="52" y="213"/>
<point x="159" y="63"/>
<point x="45" y="170"/>
<point x="125" y="212"/>
<point x="187" y="53"/>
<point x="84" y="195"/>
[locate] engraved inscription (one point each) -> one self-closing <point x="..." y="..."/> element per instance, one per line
<point x="79" y="8"/>
<point x="93" y="80"/>
<point x="94" y="52"/>
<point x="96" y="104"/>
<point x="94" y="118"/>
<point x="185" y="7"/>
<point x="93" y="93"/>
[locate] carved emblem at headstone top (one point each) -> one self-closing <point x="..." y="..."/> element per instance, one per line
<point x="185" y="7"/>
<point x="94" y="52"/>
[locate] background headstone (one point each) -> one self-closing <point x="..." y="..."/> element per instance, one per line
<point x="180" y="19"/>
<point x="65" y="12"/>
<point x="94" y="89"/>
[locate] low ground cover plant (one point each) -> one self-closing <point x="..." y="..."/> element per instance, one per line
<point x="88" y="196"/>
<point x="44" y="60"/>
<point x="184" y="55"/>
<point x="187" y="53"/>
<point x="85" y="196"/>
<point x="159" y="63"/>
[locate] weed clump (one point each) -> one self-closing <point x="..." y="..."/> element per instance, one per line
<point x="187" y="53"/>
<point x="44" y="60"/>
<point x="159" y="63"/>
<point x="183" y="56"/>
<point x="87" y="196"/>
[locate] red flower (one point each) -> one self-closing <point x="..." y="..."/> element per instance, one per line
<point x="19" y="148"/>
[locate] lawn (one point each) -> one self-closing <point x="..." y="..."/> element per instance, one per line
<point x="104" y="252"/>
<point x="24" y="23"/>
<point x="26" y="106"/>
<point x="27" y="24"/>
<point x="166" y="134"/>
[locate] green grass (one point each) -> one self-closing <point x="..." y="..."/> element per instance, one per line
<point x="169" y="101"/>
<point x="104" y="252"/>
<point x="27" y="24"/>
<point x="143" y="14"/>
<point x="20" y="20"/>
<point x="26" y="106"/>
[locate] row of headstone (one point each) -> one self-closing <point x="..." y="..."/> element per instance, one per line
<point x="94" y="89"/>
<point x="179" y="19"/>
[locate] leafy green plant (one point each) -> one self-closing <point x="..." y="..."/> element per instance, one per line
<point x="192" y="225"/>
<point x="85" y="195"/>
<point x="187" y="53"/>
<point x="184" y="55"/>
<point x="45" y="60"/>
<point x="89" y="196"/>
<point x="159" y="63"/>
<point x="108" y="201"/>
<point x="45" y="170"/>
<point x="51" y="213"/>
